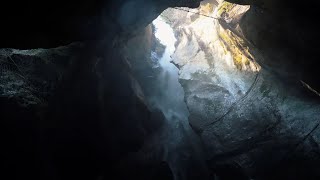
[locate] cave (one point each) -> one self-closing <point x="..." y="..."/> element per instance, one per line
<point x="168" y="90"/>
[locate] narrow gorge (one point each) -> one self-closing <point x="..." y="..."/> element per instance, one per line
<point x="168" y="90"/>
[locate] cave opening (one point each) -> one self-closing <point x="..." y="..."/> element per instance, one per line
<point x="171" y="101"/>
<point x="200" y="48"/>
<point x="208" y="90"/>
<point x="189" y="42"/>
<point x="205" y="76"/>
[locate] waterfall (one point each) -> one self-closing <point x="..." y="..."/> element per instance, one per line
<point x="183" y="150"/>
<point x="171" y="101"/>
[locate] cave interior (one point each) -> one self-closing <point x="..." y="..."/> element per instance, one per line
<point x="160" y="90"/>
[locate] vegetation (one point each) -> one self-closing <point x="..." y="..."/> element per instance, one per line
<point x="236" y="46"/>
<point x="224" y="7"/>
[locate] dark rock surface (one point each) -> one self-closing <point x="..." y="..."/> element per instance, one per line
<point x="67" y="120"/>
<point x="285" y="33"/>
<point x="78" y="111"/>
<point x="35" y="24"/>
<point x="74" y="112"/>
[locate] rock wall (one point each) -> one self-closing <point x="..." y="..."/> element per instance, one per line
<point x="35" y="24"/>
<point x="249" y="112"/>
<point x="284" y="33"/>
<point x="66" y="119"/>
<point x="75" y="112"/>
<point x="78" y="112"/>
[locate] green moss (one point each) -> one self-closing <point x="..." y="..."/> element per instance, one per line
<point x="236" y="46"/>
<point x="247" y="63"/>
<point x="225" y="7"/>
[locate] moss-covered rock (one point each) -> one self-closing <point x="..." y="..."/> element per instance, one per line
<point x="238" y="48"/>
<point x="224" y="8"/>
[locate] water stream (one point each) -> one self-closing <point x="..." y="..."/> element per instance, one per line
<point x="172" y="100"/>
<point x="182" y="146"/>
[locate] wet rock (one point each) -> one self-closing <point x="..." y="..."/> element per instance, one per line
<point x="74" y="116"/>
<point x="244" y="113"/>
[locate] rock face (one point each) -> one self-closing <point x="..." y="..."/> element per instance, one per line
<point x="78" y="111"/>
<point x="74" y="125"/>
<point x="175" y="142"/>
<point x="28" y="81"/>
<point x="284" y="32"/>
<point x="245" y="113"/>
<point x="34" y="24"/>
<point x="75" y="112"/>
<point x="32" y="75"/>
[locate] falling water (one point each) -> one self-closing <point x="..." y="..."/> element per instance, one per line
<point x="181" y="144"/>
<point x="172" y="96"/>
